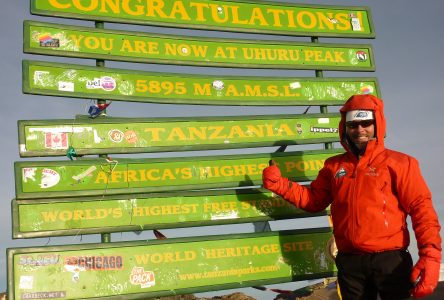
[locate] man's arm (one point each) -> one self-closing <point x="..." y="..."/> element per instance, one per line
<point x="417" y="200"/>
<point x="313" y="199"/>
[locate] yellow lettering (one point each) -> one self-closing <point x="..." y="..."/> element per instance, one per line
<point x="93" y="5"/>
<point x="199" y="10"/>
<point x="150" y="174"/>
<point x="232" y="91"/>
<point x="127" y="46"/>
<point x="304" y="16"/>
<point x="116" y="176"/>
<point x="155" y="133"/>
<point x="102" y="177"/>
<point x="216" y="15"/>
<point x="284" y="129"/>
<point x="137" y="12"/>
<point x="343" y="21"/>
<point x="155" y="6"/>
<point x="236" y="131"/>
<point x="257" y="15"/>
<point x="276" y="16"/>
<point x="202" y="90"/>
<point x="220" y="53"/>
<point x="199" y="133"/>
<point x="176" y="133"/>
<point x="178" y="8"/>
<point x="216" y="132"/>
<point x="235" y="16"/>
<point x="49" y="216"/>
<point x="325" y="20"/>
<point x="114" y="6"/>
<point x="57" y="4"/>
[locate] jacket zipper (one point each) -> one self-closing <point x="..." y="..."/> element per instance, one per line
<point x="354" y="206"/>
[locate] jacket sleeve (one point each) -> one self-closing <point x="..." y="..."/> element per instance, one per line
<point x="314" y="198"/>
<point x="416" y="199"/>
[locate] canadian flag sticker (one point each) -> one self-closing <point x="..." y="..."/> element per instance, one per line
<point x="58" y="140"/>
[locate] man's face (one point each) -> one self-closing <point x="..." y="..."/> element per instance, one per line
<point x="360" y="132"/>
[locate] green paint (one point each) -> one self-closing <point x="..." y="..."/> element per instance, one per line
<point x="169" y="266"/>
<point x="242" y="16"/>
<point x="90" y="82"/>
<point x="85" y="215"/>
<point x="109" y="135"/>
<point x="101" y="177"/>
<point x="73" y="41"/>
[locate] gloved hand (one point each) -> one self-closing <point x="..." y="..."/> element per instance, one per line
<point x="272" y="179"/>
<point x="427" y="271"/>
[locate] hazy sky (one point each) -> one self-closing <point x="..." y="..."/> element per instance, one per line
<point x="408" y="51"/>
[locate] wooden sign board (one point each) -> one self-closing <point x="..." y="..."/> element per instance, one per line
<point x="129" y="135"/>
<point x="55" y="79"/>
<point x="138" y="270"/>
<point x="49" y="179"/>
<point x="242" y="16"/>
<point x="84" y="42"/>
<point x="119" y="213"/>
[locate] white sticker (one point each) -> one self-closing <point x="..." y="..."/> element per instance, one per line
<point x="141" y="277"/>
<point x="356" y="25"/>
<point x="66" y="86"/>
<point x="56" y="141"/>
<point x="105" y="83"/>
<point x="28" y="173"/>
<point x="85" y="173"/>
<point x="323" y="120"/>
<point x="26" y="282"/>
<point x="39" y="77"/>
<point x="295" y="85"/>
<point x="50" y="178"/>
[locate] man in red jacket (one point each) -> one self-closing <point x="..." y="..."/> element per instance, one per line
<point x="371" y="191"/>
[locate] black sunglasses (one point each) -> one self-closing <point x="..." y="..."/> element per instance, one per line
<point x="355" y="124"/>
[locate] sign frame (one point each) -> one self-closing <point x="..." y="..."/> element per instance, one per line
<point x="295" y="273"/>
<point x="177" y="173"/>
<point x="199" y="89"/>
<point x="193" y="50"/>
<point x="246" y="201"/>
<point x="291" y="136"/>
<point x="286" y="6"/>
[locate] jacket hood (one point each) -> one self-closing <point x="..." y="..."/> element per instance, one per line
<point x="365" y="102"/>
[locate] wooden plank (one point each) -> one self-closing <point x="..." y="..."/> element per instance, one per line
<point x="49" y="179"/>
<point x="120" y="213"/>
<point x="241" y="16"/>
<point x="138" y="270"/>
<point x="142" y="135"/>
<point x="67" y="80"/>
<point x="85" y="42"/>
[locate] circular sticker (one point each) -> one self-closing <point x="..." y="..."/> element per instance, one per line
<point x="218" y="85"/>
<point x="115" y="135"/>
<point x="131" y="136"/>
<point x="108" y="83"/>
<point x="361" y="55"/>
<point x="50" y="178"/>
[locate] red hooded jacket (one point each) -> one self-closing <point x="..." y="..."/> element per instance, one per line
<point x="371" y="197"/>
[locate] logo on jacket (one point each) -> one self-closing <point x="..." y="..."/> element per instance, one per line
<point x="372" y="172"/>
<point x="340" y="173"/>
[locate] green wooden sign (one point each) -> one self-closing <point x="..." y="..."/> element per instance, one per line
<point x="120" y="135"/>
<point x="45" y="78"/>
<point x="137" y="270"/>
<point x="48" y="179"/>
<point x="88" y="215"/>
<point x="242" y="16"/>
<point x="84" y="42"/>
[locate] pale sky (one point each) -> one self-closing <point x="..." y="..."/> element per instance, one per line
<point x="409" y="66"/>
